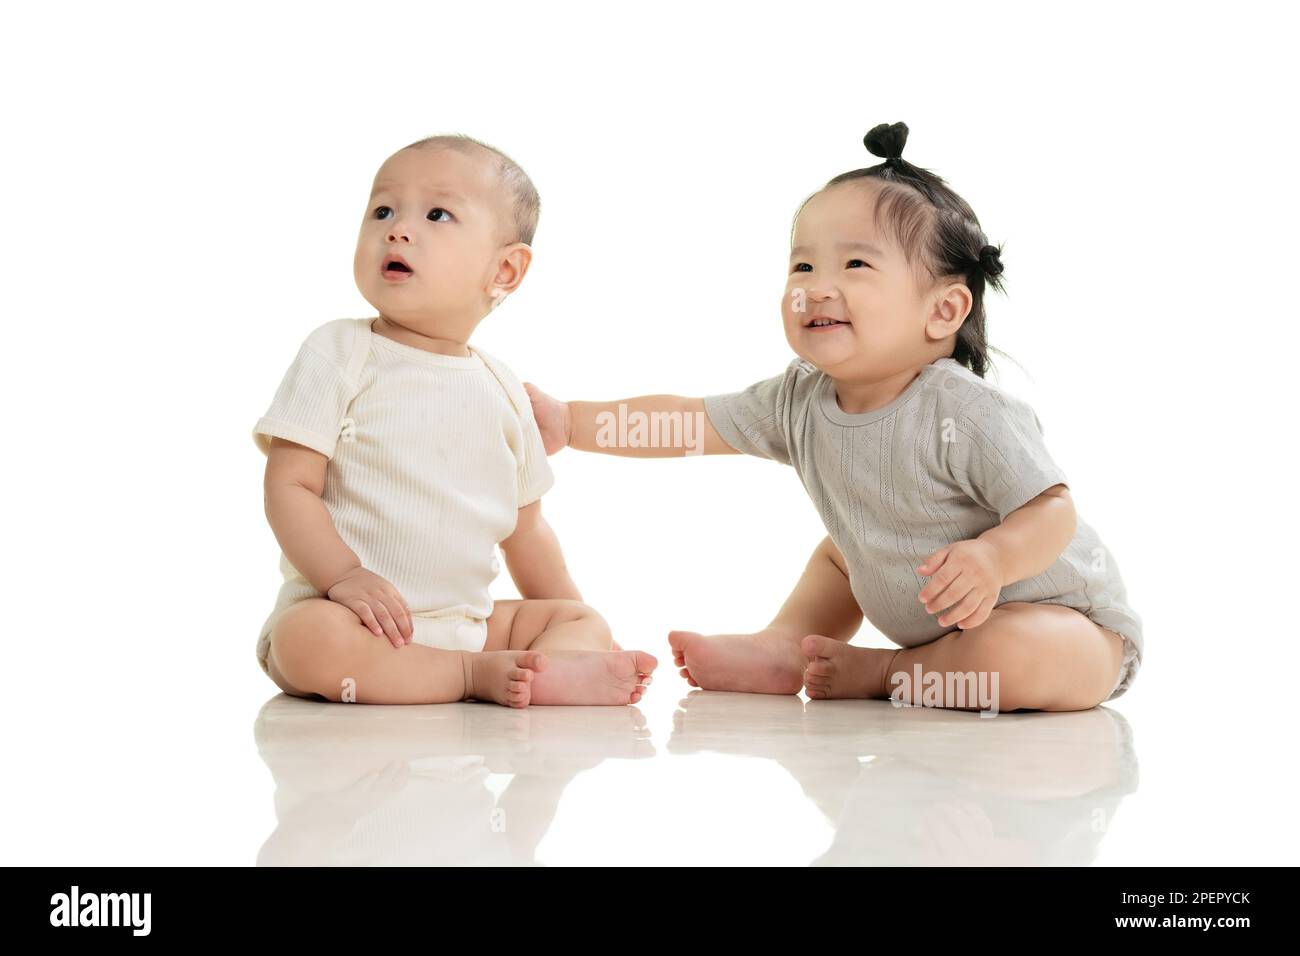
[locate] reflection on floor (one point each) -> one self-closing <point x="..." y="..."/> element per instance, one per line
<point x="476" y="784"/>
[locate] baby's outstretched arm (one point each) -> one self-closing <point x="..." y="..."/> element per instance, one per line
<point x="533" y="556"/>
<point x="292" y="488"/>
<point x="649" y="426"/>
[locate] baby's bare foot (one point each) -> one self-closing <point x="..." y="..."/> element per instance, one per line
<point x="836" y="670"/>
<point x="767" y="662"/>
<point x="503" y="677"/>
<point x="593" y="677"/>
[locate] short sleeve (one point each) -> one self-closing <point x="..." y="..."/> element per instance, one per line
<point x="998" y="456"/>
<point x="533" y="475"/>
<point x="755" y="420"/>
<point x="311" y="403"/>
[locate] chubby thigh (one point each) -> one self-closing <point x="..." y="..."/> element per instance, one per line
<point x="1047" y="656"/>
<point x="516" y="625"/>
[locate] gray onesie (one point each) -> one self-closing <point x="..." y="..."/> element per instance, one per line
<point x="948" y="459"/>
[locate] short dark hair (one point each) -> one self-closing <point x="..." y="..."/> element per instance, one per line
<point x="525" y="203"/>
<point x="937" y="230"/>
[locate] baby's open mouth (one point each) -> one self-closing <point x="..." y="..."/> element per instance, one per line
<point x="394" y="265"/>
<point x="822" y="322"/>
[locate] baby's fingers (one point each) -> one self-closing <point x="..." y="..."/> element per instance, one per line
<point x="362" y="610"/>
<point x="963" y="609"/>
<point x="934" y="561"/>
<point x="389" y="625"/>
<point x="944" y="590"/>
<point x="980" y="616"/>
<point x="402" y="615"/>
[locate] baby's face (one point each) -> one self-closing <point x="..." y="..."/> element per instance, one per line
<point x="442" y="212"/>
<point x="844" y="269"/>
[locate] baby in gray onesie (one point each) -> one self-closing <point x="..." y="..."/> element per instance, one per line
<point x="949" y="526"/>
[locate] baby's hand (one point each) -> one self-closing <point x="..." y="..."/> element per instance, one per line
<point x="378" y="604"/>
<point x="966" y="584"/>
<point x="552" y="418"/>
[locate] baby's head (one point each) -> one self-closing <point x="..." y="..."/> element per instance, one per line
<point x="461" y="216"/>
<point x="897" y="262"/>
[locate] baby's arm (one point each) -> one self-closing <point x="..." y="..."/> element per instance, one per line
<point x="594" y="426"/>
<point x="533" y="556"/>
<point x="969" y="575"/>
<point x="292" y="488"/>
<point x="1033" y="536"/>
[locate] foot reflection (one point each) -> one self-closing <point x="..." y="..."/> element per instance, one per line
<point x="359" y="785"/>
<point x="925" y="786"/>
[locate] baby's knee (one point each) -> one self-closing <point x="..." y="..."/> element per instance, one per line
<point x="587" y="615"/>
<point x="304" y="643"/>
<point x="597" y="623"/>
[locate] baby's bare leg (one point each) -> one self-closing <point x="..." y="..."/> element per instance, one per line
<point x="319" y="647"/>
<point x="547" y="625"/>
<point x="581" y="667"/>
<point x="1045" y="656"/>
<point x="770" y="661"/>
<point x="822" y="602"/>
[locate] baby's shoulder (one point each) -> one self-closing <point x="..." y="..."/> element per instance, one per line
<point x="959" y="393"/>
<point x="337" y="341"/>
<point x="508" y="380"/>
<point x="800" y="379"/>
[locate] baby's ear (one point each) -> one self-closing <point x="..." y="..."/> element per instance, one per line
<point x="950" y="311"/>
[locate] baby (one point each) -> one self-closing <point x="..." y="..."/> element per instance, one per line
<point x="399" y="457"/>
<point x="949" y="525"/>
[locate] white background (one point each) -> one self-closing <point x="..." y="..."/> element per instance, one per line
<point x="183" y="186"/>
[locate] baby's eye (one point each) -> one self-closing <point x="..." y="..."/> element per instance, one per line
<point x="379" y="209"/>
<point x="434" y="211"/>
<point x="850" y="263"/>
<point x="799" y="267"/>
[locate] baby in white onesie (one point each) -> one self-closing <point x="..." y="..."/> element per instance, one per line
<point x="399" y="458"/>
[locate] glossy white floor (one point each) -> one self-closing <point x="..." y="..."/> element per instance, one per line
<point x="696" y="778"/>
<point x="700" y="777"/>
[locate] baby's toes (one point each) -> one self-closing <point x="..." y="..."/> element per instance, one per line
<point x="817" y="683"/>
<point x="819" y="670"/>
<point x="533" y="660"/>
<point x="677" y="640"/>
<point x="519" y="674"/>
<point x="643" y="682"/>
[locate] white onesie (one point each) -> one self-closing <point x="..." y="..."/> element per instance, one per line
<point x="430" y="458"/>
